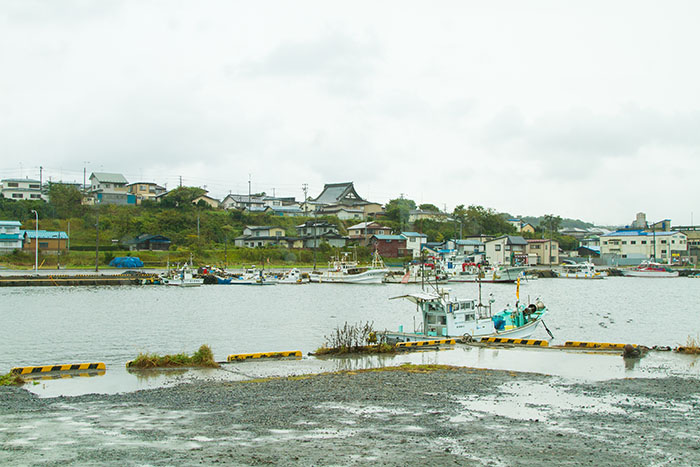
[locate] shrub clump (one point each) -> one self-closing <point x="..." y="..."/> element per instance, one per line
<point x="692" y="346"/>
<point x="11" y="379"/>
<point x="204" y="357"/>
<point x="354" y="338"/>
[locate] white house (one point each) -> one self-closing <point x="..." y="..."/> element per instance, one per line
<point x="10" y="237"/>
<point x="506" y="249"/>
<point x="415" y="242"/>
<point x="626" y="247"/>
<point x="21" y="188"/>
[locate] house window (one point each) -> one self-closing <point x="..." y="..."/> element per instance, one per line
<point x="633" y="242"/>
<point x="17" y="195"/>
<point x="663" y="251"/>
<point x="142" y="187"/>
<point x="34" y="187"/>
<point x="498" y="247"/>
<point x="12" y="185"/>
<point x="663" y="242"/>
<point x="33" y="196"/>
<point x="46" y="245"/>
<point x="644" y="242"/>
<point x="624" y="242"/>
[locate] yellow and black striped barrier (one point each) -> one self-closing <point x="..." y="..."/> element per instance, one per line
<point x="425" y="343"/>
<point x="30" y="370"/>
<point x="505" y="340"/>
<point x="252" y="356"/>
<point x="596" y="345"/>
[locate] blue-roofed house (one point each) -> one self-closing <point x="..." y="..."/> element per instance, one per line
<point x="415" y="242"/>
<point x="632" y="246"/>
<point x="10" y="237"/>
<point x="50" y="242"/>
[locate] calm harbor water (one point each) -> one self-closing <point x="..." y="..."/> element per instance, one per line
<point x="43" y="325"/>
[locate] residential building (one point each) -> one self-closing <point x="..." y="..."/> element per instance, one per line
<point x="390" y="246"/>
<point x="629" y="247"/>
<point x="50" y="242"/>
<point x="692" y="233"/>
<point x="108" y="182"/>
<point x="506" y="249"/>
<point x="341" y="212"/>
<point x="21" y="188"/>
<point x="263" y="235"/>
<point x="233" y="201"/>
<point x="343" y="201"/>
<point x="208" y="200"/>
<point x="415" y="242"/>
<point x="469" y="247"/>
<point x="316" y="232"/>
<point x="149" y="242"/>
<point x="10" y="236"/>
<point x="543" y="251"/>
<point x="521" y="226"/>
<point x="363" y="231"/>
<point x="109" y="188"/>
<point x="145" y="191"/>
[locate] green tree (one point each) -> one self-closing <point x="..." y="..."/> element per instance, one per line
<point x="551" y="223"/>
<point x="429" y="207"/>
<point x="398" y="210"/>
<point x="486" y="221"/>
<point x="182" y="196"/>
<point x="66" y="199"/>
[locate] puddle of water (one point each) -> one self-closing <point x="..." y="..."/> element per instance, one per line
<point x="540" y="401"/>
<point x="575" y="365"/>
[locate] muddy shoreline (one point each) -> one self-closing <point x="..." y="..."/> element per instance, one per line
<point x="458" y="416"/>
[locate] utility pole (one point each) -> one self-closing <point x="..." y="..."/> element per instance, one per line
<point x="305" y="189"/>
<point x="36" y="242"/>
<point x="180" y="181"/>
<point x="41" y="181"/>
<point x="197" y="227"/>
<point x="97" y="242"/>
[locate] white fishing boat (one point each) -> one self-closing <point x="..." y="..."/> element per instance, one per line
<point x="445" y="316"/>
<point x="585" y="270"/>
<point x="182" y="277"/>
<point x="343" y="270"/>
<point x="293" y="276"/>
<point x="650" y="269"/>
<point x="415" y="274"/>
<point x="490" y="274"/>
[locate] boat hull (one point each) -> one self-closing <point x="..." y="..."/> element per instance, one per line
<point x="375" y="276"/>
<point x="522" y="332"/>
<point x="650" y="273"/>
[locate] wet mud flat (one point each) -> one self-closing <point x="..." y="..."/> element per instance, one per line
<point x="455" y="416"/>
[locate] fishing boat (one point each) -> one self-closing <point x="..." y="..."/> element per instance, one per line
<point x="293" y="276"/>
<point x="251" y="276"/>
<point x="182" y="277"/>
<point x="343" y="270"/>
<point x="585" y="270"/>
<point x="447" y="316"/>
<point x="415" y="273"/>
<point x="650" y="269"/>
<point x="489" y="274"/>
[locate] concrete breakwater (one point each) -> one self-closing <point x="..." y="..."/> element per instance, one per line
<point x="78" y="279"/>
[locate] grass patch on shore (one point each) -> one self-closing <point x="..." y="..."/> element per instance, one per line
<point x="204" y="357"/>
<point x="692" y="346"/>
<point x="354" y="338"/>
<point x="11" y="380"/>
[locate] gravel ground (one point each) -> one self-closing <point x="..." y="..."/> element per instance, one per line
<point x="446" y="417"/>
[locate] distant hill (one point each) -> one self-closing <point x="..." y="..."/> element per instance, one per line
<point x="565" y="222"/>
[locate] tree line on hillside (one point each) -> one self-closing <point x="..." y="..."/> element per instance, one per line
<point x="199" y="225"/>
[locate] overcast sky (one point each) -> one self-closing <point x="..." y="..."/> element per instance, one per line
<point x="585" y="109"/>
